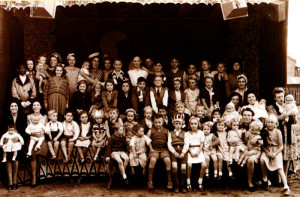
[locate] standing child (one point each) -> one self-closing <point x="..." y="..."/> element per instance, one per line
<point x="158" y="94"/>
<point x="8" y="145"/>
<point x="140" y="97"/>
<point x="192" y="94"/>
<point x="175" y="73"/>
<point x="124" y="98"/>
<point x="209" y="96"/>
<point x="99" y="133"/>
<point x="138" y="149"/>
<point x="159" y="136"/>
<point x="254" y="143"/>
<point x="54" y="130"/>
<point x="117" y="148"/>
<point x="221" y="84"/>
<point x="83" y="141"/>
<point x="223" y="148"/>
<point x="71" y="133"/>
<point x="192" y="70"/>
<point x="175" y="94"/>
<point x="236" y="145"/>
<point x="209" y="148"/>
<point x="109" y="95"/>
<point x="118" y="75"/>
<point x="195" y="155"/>
<point x="129" y="124"/>
<point x="34" y="128"/>
<point x="41" y="69"/>
<point x="30" y="69"/>
<point x="85" y="70"/>
<point x="271" y="157"/>
<point x="147" y="121"/>
<point x="157" y="71"/>
<point x="178" y="144"/>
<point x="113" y="114"/>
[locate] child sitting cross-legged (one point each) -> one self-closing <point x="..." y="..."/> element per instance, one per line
<point x="138" y="149"/>
<point x="117" y="148"/>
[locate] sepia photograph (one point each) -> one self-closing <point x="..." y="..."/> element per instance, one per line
<point x="150" y="98"/>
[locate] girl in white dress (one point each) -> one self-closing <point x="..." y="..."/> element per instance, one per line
<point x="192" y="96"/>
<point x="85" y="134"/>
<point x="8" y="145"/>
<point x="195" y="153"/>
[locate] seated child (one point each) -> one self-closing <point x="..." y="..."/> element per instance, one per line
<point x="230" y="113"/>
<point x="163" y="111"/>
<point x="254" y="143"/>
<point x="83" y="141"/>
<point x="35" y="129"/>
<point x="138" y="149"/>
<point x="147" y="121"/>
<point x="201" y="114"/>
<point x="178" y="144"/>
<point x="129" y="124"/>
<point x="209" y="148"/>
<point x="99" y="134"/>
<point x="235" y="141"/>
<point x="290" y="107"/>
<point x="180" y="108"/>
<point x="159" y="136"/>
<point x="85" y="70"/>
<point x="54" y="130"/>
<point x="117" y="148"/>
<point x="8" y="145"/>
<point x="70" y="135"/>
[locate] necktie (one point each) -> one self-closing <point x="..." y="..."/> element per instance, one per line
<point x="158" y="92"/>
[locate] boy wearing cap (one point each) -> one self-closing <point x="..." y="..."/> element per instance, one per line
<point x="178" y="145"/>
<point x="140" y="97"/>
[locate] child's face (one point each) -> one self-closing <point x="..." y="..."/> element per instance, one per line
<point x="99" y="119"/>
<point x="84" y="118"/>
<point x="109" y="87"/>
<point x="194" y="124"/>
<point x="53" y="61"/>
<point x="263" y="102"/>
<point x="130" y="116"/>
<point x="30" y="64"/>
<point x="107" y="64"/>
<point x="208" y="83"/>
<point x="236" y="66"/>
<point x="158" y="81"/>
<point x="206" y="130"/>
<point x="289" y="100"/>
<point x="271" y="124"/>
<point x="200" y="111"/>
<point x="42" y="60"/>
<point x="221" y="126"/>
<point x="216" y="115"/>
<point x="35" y="121"/>
<point x="59" y="71"/>
<point x="174" y="63"/>
<point x="137" y="62"/>
<point x="220" y="68"/>
<point x="177" y="85"/>
<point x="192" y="84"/>
<point x="235" y="100"/>
<point x="255" y="131"/>
<point x="82" y="87"/>
<point x="86" y="65"/>
<point x="113" y="114"/>
<point x="162" y="112"/>
<point x="22" y="70"/>
<point x="53" y="117"/>
<point x="97" y="133"/>
<point x="180" y="109"/>
<point x="177" y="125"/>
<point x="118" y="65"/>
<point x="205" y="66"/>
<point x="235" y="125"/>
<point x="97" y="88"/>
<point x="157" y="67"/>
<point x="148" y="114"/>
<point x="229" y="108"/>
<point x="125" y="87"/>
<point x="120" y="131"/>
<point x="140" y="132"/>
<point x="11" y="131"/>
<point x="69" y="117"/>
<point x="192" y="69"/>
<point x="158" y="123"/>
<point x="72" y="61"/>
<point x="142" y="85"/>
<point x="148" y="62"/>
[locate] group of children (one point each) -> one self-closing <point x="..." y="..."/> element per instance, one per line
<point x="180" y="127"/>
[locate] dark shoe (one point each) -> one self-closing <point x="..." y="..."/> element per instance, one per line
<point x="251" y="189"/>
<point x="9" y="187"/>
<point x="201" y="189"/>
<point x="176" y="190"/>
<point x="32" y="185"/>
<point x="15" y="186"/>
<point x="265" y="185"/>
<point x="183" y="190"/>
<point x="126" y="181"/>
<point x="150" y="185"/>
<point x="189" y="188"/>
<point x="219" y="178"/>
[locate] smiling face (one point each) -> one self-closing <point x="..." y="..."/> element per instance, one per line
<point x="86" y="65"/>
<point x="14" y="108"/>
<point x="157" y="67"/>
<point x="82" y="88"/>
<point x="162" y="112"/>
<point x="200" y="111"/>
<point x="42" y="60"/>
<point x="36" y="106"/>
<point x="251" y="99"/>
<point x="95" y="62"/>
<point x="58" y="71"/>
<point x="235" y="100"/>
<point x="35" y="121"/>
<point x="158" y="81"/>
<point x="99" y="119"/>
<point x="71" y="61"/>
<point x="109" y="86"/>
<point x="208" y="82"/>
<point x="271" y="124"/>
<point x="53" y="61"/>
<point x="142" y="85"/>
<point x="177" y="85"/>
